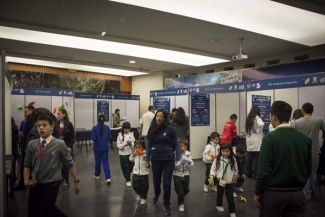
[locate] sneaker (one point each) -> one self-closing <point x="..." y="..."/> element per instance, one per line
<point x="96" y="177"/>
<point x="128" y="184"/>
<point x="240" y="189"/>
<point x="181" y="208"/>
<point x="206" y="188"/>
<point x="232" y="214"/>
<point x="108" y="181"/>
<point x="143" y="201"/>
<point x="138" y="197"/>
<point x="220" y="209"/>
<point x="167" y="210"/>
<point x="155" y="200"/>
<point x="214" y="188"/>
<point x="65" y="186"/>
<point x="235" y="195"/>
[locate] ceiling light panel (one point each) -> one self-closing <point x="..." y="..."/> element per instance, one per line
<point x="77" y="67"/>
<point x="260" y="16"/>
<point x="107" y="47"/>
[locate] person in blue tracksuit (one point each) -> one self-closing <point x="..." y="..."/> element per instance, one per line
<point x="101" y="134"/>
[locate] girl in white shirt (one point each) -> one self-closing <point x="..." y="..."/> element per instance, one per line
<point x="125" y="144"/>
<point x="225" y="169"/>
<point x="254" y="129"/>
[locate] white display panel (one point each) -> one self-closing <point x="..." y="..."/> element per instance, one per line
<point x="182" y="101"/>
<point x="226" y="105"/>
<point x="18" y="114"/>
<point x="288" y="95"/>
<point x="69" y="106"/>
<point x="7" y="118"/>
<point x="84" y="110"/>
<point x="262" y="93"/>
<point x="40" y="101"/>
<point x="56" y="103"/>
<point x="315" y="96"/>
<point x="132" y="112"/>
<point x="118" y="104"/>
<point x="242" y="112"/>
<point x="199" y="134"/>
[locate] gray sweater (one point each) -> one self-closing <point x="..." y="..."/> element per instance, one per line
<point x="50" y="167"/>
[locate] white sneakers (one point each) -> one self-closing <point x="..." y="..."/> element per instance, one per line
<point x="235" y="195"/>
<point x="108" y="181"/>
<point x="214" y="188"/>
<point x="128" y="184"/>
<point x="181" y="208"/>
<point x="206" y="188"/>
<point x="220" y="209"/>
<point x="96" y="177"/>
<point x="232" y="214"/>
<point x="138" y="197"/>
<point x="240" y="189"/>
<point x="142" y="201"/>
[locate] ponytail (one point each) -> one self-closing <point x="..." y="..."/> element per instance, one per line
<point x="101" y="120"/>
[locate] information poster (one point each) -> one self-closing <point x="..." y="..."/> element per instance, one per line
<point x="200" y="110"/>
<point x="162" y="103"/>
<point x="264" y="103"/>
<point x="102" y="109"/>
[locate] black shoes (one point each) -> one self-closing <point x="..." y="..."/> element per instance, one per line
<point x="155" y="200"/>
<point x="167" y="210"/>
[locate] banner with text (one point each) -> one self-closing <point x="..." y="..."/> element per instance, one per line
<point x="220" y="88"/>
<point x="200" y="110"/>
<point x="41" y="91"/>
<point x="103" y="109"/>
<point x="169" y="92"/>
<point x="264" y="103"/>
<point x="161" y="103"/>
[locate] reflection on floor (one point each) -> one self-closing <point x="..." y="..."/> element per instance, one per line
<point x="98" y="199"/>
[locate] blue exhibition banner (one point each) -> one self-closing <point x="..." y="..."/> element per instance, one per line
<point x="200" y="110"/>
<point x="161" y="103"/>
<point x="105" y="96"/>
<point x="169" y="92"/>
<point x="41" y="91"/>
<point x="102" y="109"/>
<point x="126" y="97"/>
<point x="287" y="82"/>
<point x="219" y="88"/>
<point x="264" y="103"/>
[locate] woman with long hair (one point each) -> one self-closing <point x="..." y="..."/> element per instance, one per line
<point x="14" y="148"/>
<point x="161" y="145"/>
<point x="254" y="129"/>
<point x="181" y="123"/>
<point x="101" y="134"/>
<point x="64" y="130"/>
<point x="295" y="116"/>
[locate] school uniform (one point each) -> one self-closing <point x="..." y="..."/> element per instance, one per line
<point x="140" y="178"/>
<point x="125" y="152"/>
<point x="210" y="149"/>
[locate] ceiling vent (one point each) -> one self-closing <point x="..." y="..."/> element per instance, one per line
<point x="209" y="71"/>
<point x="250" y="65"/>
<point x="272" y="62"/>
<point x="228" y="68"/>
<point x="301" y="58"/>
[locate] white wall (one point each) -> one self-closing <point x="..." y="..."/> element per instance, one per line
<point x="199" y="134"/>
<point x="242" y="112"/>
<point x="182" y="101"/>
<point x="288" y="95"/>
<point x="142" y="85"/>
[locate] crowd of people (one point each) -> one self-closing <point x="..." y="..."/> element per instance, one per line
<point x="283" y="162"/>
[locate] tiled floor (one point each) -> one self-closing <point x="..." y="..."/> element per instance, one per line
<point x="98" y="199"/>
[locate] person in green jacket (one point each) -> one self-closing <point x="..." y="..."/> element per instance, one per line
<point x="283" y="168"/>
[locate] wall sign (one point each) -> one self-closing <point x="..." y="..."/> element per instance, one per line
<point x="103" y="109"/>
<point x="200" y="110"/>
<point x="264" y="103"/>
<point x="161" y="103"/>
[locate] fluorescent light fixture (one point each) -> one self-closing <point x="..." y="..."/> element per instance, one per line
<point x="76" y="67"/>
<point x="261" y="16"/>
<point x="107" y="47"/>
<point x="132" y="61"/>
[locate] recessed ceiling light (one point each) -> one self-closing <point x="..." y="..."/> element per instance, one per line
<point x="108" y="47"/>
<point x="132" y="61"/>
<point x="77" y="67"/>
<point x="213" y="40"/>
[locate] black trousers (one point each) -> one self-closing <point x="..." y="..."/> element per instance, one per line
<point x="140" y="185"/>
<point x="239" y="183"/>
<point x="41" y="201"/>
<point x="252" y="157"/>
<point x="182" y="187"/>
<point x="164" y="170"/>
<point x="126" y="166"/>
<point x="207" y="173"/>
<point x="284" y="204"/>
<point x="229" y="195"/>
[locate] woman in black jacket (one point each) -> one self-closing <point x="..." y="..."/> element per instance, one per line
<point x="64" y="130"/>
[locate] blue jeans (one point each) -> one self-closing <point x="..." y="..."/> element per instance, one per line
<point x="102" y="156"/>
<point x="311" y="182"/>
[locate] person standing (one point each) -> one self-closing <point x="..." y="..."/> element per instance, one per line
<point x="162" y="143"/>
<point x="146" y="121"/>
<point x="14" y="148"/>
<point x="311" y="126"/>
<point x="173" y="114"/>
<point x="229" y="130"/>
<point x="64" y="130"/>
<point x="254" y="129"/>
<point x="181" y="123"/>
<point x="116" y="118"/>
<point x="295" y="116"/>
<point x="284" y="167"/>
<point x="101" y="134"/>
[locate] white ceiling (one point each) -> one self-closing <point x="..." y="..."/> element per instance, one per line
<point x="127" y="24"/>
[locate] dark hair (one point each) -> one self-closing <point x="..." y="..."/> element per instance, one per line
<point x="66" y="120"/>
<point x="255" y="111"/>
<point x="36" y="113"/>
<point x="141" y="143"/>
<point x="46" y="118"/>
<point x="241" y="149"/>
<point x="183" y="141"/>
<point x="231" y="155"/>
<point x="14" y="127"/>
<point x="180" y="118"/>
<point x="297" y="114"/>
<point x="101" y="120"/>
<point x="233" y="116"/>
<point x="175" y="109"/>
<point x="125" y="125"/>
<point x="308" y="108"/>
<point x="30" y="107"/>
<point x="117" y="110"/>
<point x="155" y="129"/>
<point x="281" y="110"/>
<point x="150" y="108"/>
<point x="214" y="135"/>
